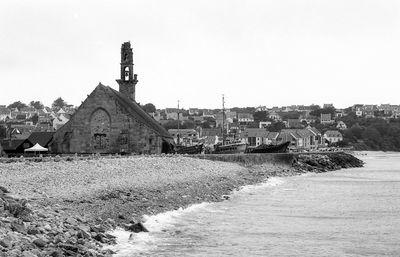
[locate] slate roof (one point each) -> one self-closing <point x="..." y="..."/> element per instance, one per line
<point x="273" y="135"/>
<point x="333" y="133"/>
<point x="11" y="145"/>
<point x="255" y="132"/>
<point x="137" y="112"/>
<point x="43" y="138"/>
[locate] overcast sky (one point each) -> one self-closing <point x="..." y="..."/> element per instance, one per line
<point x="269" y="53"/>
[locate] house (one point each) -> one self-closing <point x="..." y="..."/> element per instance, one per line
<point x="194" y="111"/>
<point x="229" y="118"/>
<point x="171" y="114"/>
<point x="245" y="118"/>
<point x="29" y="112"/>
<point x="326" y="118"/>
<point x="359" y="112"/>
<point x="254" y="136"/>
<point x="111" y="121"/>
<point x="369" y="113"/>
<point x="341" y="125"/>
<point x="272" y="138"/>
<point x="261" y="109"/>
<point x="264" y="124"/>
<point x="294" y="123"/>
<point x="59" y="121"/>
<point x="274" y="116"/>
<point x="333" y="136"/>
<point x="308" y="138"/>
<point x="339" y="113"/>
<point x="327" y="106"/>
<point x="4" y="113"/>
<point x="208" y="113"/>
<point x="156" y="115"/>
<point x="211" y="136"/>
<point x="206" y="132"/>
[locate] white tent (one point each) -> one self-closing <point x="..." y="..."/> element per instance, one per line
<point x="36" y="148"/>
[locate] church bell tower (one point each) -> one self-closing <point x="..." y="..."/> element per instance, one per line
<point x="128" y="80"/>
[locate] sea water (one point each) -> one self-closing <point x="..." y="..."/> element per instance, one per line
<point x="349" y="212"/>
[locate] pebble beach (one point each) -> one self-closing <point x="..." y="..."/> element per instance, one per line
<point x="64" y="207"/>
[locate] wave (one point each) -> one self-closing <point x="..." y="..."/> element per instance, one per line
<point x="162" y="223"/>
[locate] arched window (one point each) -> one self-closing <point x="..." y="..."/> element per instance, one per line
<point x="126" y="73"/>
<point x="100" y="126"/>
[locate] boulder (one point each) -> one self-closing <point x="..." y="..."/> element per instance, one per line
<point x="5" y="243"/>
<point x="18" y="227"/>
<point x="4" y="190"/>
<point x="136" y="228"/>
<point x="39" y="242"/>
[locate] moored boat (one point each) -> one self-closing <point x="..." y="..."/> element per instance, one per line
<point x="230" y="148"/>
<point x="263" y="148"/>
<point x="194" y="149"/>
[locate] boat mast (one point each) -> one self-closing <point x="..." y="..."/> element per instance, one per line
<point x="223" y="120"/>
<point x="178" y="134"/>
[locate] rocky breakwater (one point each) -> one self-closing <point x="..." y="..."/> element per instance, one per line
<point x="324" y="162"/>
<point x="28" y="232"/>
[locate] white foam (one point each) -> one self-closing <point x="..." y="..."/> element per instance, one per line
<point x="167" y="219"/>
<point x="156" y="224"/>
<point x="271" y="182"/>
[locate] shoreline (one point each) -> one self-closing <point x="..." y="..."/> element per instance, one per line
<point x="66" y="207"/>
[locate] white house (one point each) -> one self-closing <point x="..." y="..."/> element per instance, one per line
<point x="333" y="136"/>
<point x="341" y="125"/>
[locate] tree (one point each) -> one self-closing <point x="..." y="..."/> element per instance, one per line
<point x="59" y="103"/>
<point x="34" y="119"/>
<point x="260" y="116"/>
<point x="19" y="105"/>
<point x="276" y="126"/>
<point x="149" y="108"/>
<point x="3" y="132"/>
<point x="36" y="104"/>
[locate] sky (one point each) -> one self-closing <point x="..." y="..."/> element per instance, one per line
<point x="269" y="53"/>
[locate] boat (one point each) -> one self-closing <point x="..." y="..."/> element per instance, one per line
<point x="230" y="148"/>
<point x="194" y="149"/>
<point x="263" y="148"/>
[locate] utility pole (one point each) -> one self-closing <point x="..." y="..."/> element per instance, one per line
<point x="178" y="134"/>
<point x="223" y="120"/>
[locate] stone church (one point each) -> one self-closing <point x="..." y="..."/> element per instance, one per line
<point x="111" y="121"/>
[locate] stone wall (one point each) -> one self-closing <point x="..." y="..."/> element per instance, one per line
<point x="102" y="125"/>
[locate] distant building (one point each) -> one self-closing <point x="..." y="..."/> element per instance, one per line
<point x="328" y="106"/>
<point x="294" y="123"/>
<point x="274" y="116"/>
<point x="308" y="138"/>
<point x="5" y="113"/>
<point x="326" y="118"/>
<point x="245" y="117"/>
<point x="341" y="125"/>
<point x="254" y="136"/>
<point x="264" y="124"/>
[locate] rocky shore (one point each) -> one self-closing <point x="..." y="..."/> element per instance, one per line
<point x="64" y="207"/>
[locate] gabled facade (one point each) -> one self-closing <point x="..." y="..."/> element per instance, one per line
<point x="333" y="136"/>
